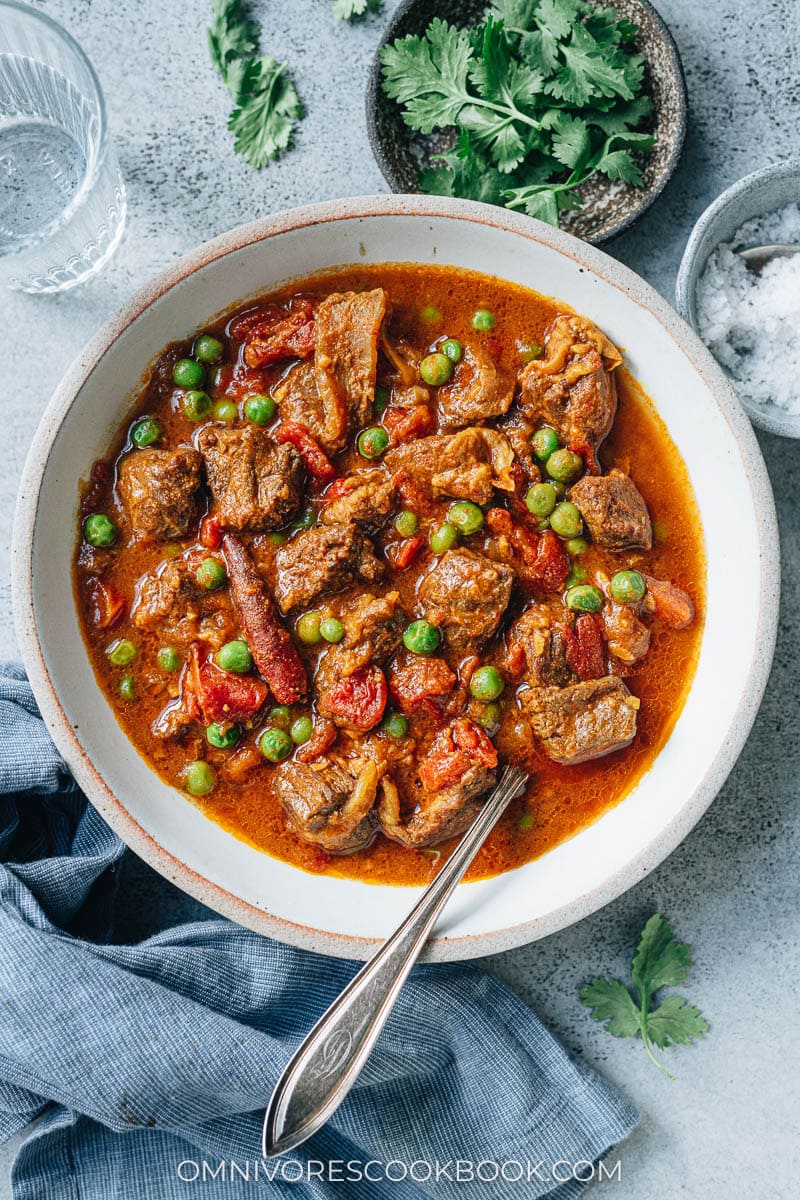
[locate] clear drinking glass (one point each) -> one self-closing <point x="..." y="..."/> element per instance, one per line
<point x="62" y="199"/>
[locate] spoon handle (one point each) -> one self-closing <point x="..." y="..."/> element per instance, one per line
<point x="327" y="1063"/>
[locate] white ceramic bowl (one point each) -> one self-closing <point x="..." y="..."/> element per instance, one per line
<point x="705" y="420"/>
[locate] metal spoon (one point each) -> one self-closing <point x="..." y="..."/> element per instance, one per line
<point x="328" y="1062"/>
<point x="757" y="257"/>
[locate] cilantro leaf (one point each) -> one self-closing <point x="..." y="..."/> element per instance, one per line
<point x="589" y="71"/>
<point x="269" y="105"/>
<point x="429" y="75"/>
<point x="618" y="164"/>
<point x="623" y="117"/>
<point x="351" y="10"/>
<point x="231" y="39"/>
<point x="659" y="961"/>
<point x="571" y="144"/>
<point x="675" y="1023"/>
<point x="558" y="17"/>
<point x="611" y="1003"/>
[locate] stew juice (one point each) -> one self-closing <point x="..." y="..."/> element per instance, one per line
<point x="366" y="536"/>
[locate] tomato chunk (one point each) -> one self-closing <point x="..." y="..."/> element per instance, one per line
<point x="359" y="700"/>
<point x="321" y="740"/>
<point x="107" y="604"/>
<point x="672" y="604"/>
<point x="315" y="460"/>
<point x="403" y="424"/>
<point x="418" y="680"/>
<point x="211" y="532"/>
<point x="402" y="554"/>
<point x="216" y="695"/>
<point x="586" y="646"/>
<point x="271" y="333"/>
<point x="453" y="752"/>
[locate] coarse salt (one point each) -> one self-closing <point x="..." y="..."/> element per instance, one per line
<point x="751" y="322"/>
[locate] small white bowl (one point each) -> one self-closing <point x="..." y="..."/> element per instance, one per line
<point x="763" y="192"/>
<point x="703" y="418"/>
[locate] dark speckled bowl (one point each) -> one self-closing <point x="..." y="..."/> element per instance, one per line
<point x="609" y="207"/>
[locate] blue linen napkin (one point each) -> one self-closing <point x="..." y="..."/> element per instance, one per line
<point x="145" y="1068"/>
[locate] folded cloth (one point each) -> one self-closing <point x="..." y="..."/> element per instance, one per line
<point x="143" y="1070"/>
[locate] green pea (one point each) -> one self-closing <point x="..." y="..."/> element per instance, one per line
<point x="331" y="629"/>
<point x="210" y="574"/>
<point x="200" y="778"/>
<point x="444" y="538"/>
<point x="421" y="637"/>
<point x="483" y="320"/>
<point x="308" y="628"/>
<point x="187" y="373"/>
<point x="453" y="349"/>
<point x="466" y="517"/>
<point x="406" y="523"/>
<point x="121" y="653"/>
<point x="168" y="658"/>
<point x="541" y="499"/>
<point x="372" y="442"/>
<point x="208" y="349"/>
<point x="529" y="351"/>
<point x="486" y="683"/>
<point x="565" y="520"/>
<point x="576" y="575"/>
<point x="544" y="443"/>
<point x="225" y="410"/>
<point x="395" y="724"/>
<point x="99" y="530"/>
<point x="301" y="730"/>
<point x="381" y="401"/>
<point x="585" y="598"/>
<point x="280" y="716"/>
<point x="628" y="587"/>
<point x="276" y="539"/>
<point x="305" y="520"/>
<point x="196" y="405"/>
<point x="275" y="744"/>
<point x="222" y="737"/>
<point x="145" y="432"/>
<point x="564" y="465"/>
<point x="525" y="822"/>
<point x="127" y="688"/>
<point x="436" y="369"/>
<point x="491" y="717"/>
<point x="216" y="376"/>
<point x="260" y="408"/>
<point x="429" y="313"/>
<point x="235" y="657"/>
<point x="577" y="546"/>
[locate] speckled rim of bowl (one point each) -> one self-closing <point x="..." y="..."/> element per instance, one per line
<point x="718" y="224"/>
<point x="89" y="779"/>
<point x="375" y="97"/>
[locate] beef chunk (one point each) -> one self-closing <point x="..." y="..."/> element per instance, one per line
<point x="255" y="482"/>
<point x="572" y="388"/>
<point x="456" y="772"/>
<point x="327" y="558"/>
<point x="478" y="390"/>
<point x="465" y="595"/>
<point x="466" y="465"/>
<point x="582" y="721"/>
<point x="614" y="511"/>
<point x="346" y="356"/>
<point x="161" y="592"/>
<point x="541" y="635"/>
<point x="365" y="499"/>
<point x="326" y="804"/>
<point x="628" y="637"/>
<point x="373" y="630"/>
<point x="159" y="491"/>
<point x="300" y="401"/>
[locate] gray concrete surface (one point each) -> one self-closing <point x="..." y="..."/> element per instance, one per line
<point x="728" y="1126"/>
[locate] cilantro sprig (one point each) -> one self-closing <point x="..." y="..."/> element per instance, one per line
<point x="659" y="961"/>
<point x="543" y="94"/>
<point x="266" y="103"/>
<point x="352" y="10"/>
